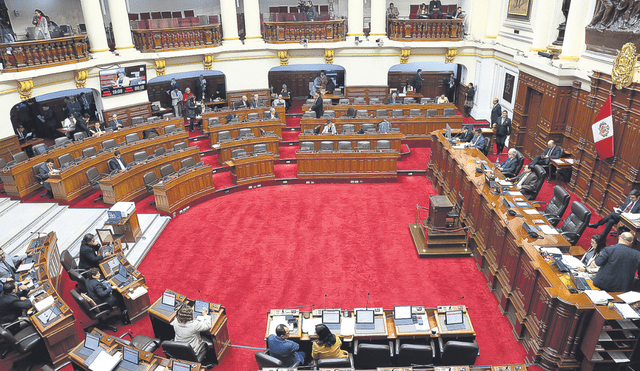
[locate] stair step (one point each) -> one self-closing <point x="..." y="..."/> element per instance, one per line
<point x="22" y="220"/>
<point x="152" y="226"/>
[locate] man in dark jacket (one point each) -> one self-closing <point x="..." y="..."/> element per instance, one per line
<point x="417" y="82"/>
<point x="496" y="112"/>
<point x="12" y="306"/>
<point x="201" y="89"/>
<point x="435" y="9"/>
<point x="89" y="257"/>
<point x="283" y="349"/>
<point x="317" y="105"/>
<point x="45" y="171"/>
<point x="50" y="121"/>
<point x="552" y="151"/>
<point x="190" y="112"/>
<point x="526" y="182"/>
<point x="630" y="205"/>
<point x="503" y="128"/>
<point x="98" y="290"/>
<point x="618" y="265"/>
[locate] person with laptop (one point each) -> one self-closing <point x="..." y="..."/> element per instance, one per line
<point x="89" y="257"/>
<point x="188" y="329"/>
<point x="283" y="349"/>
<point x="12" y="307"/>
<point x="328" y="345"/>
<point x="100" y="290"/>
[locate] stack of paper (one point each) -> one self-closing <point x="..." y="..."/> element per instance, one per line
<point x="43" y="303"/>
<point x="598" y="297"/>
<point x="138" y="292"/>
<point x="626" y="311"/>
<point x="530" y="211"/>
<point x="348" y="326"/>
<point x="552" y="251"/>
<point x="105" y="362"/>
<point x="547" y="229"/>
<point x="618" y="356"/>
<point x="309" y="325"/>
<point x="630" y="297"/>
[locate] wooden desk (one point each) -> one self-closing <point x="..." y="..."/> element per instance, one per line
<point x="241" y="113"/>
<point x="252" y="169"/>
<point x="180" y="190"/>
<point x="274" y="125"/>
<point x="58" y="332"/>
<point x="127" y="185"/>
<point x="218" y="333"/>
<point x="19" y="180"/>
<point x="545" y="316"/>
<point x="395" y="139"/>
<point x="560" y="165"/>
<point x="372" y="109"/>
<point x="72" y="183"/>
<point x="30" y="143"/>
<point x="129" y="227"/>
<point x="112" y="344"/>
<point x="225" y="148"/>
<point x="411" y="127"/>
<point x="136" y="307"/>
<point x="347" y="165"/>
<point x="634" y="227"/>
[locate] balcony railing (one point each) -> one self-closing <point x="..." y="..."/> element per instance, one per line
<point x="27" y="55"/>
<point x="314" y="31"/>
<point x="155" y="40"/>
<point x="426" y="29"/>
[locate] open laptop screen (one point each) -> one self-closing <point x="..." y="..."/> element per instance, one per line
<point x="364" y="316"/>
<point x="180" y="366"/>
<point x="91" y="341"/>
<point x="200" y="305"/>
<point x="169" y="298"/>
<point x="330" y="317"/>
<point x="402" y="312"/>
<point x="130" y="355"/>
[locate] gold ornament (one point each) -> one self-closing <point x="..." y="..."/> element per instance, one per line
<point x="208" y="62"/>
<point x="81" y="78"/>
<point x="25" y="88"/>
<point x="328" y="56"/>
<point x="404" y="55"/>
<point x="160" y="67"/>
<point x="284" y="57"/>
<point x="624" y="66"/>
<point x="451" y="54"/>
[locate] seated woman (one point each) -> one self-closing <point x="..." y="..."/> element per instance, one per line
<point x="423" y="12"/>
<point x="590" y="256"/>
<point x="328" y="345"/>
<point x="100" y="290"/>
<point x="89" y="257"/>
<point x="188" y="329"/>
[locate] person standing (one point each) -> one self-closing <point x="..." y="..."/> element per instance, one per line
<point x="451" y="87"/>
<point x="496" y="112"/>
<point x="176" y="101"/>
<point x="417" y="82"/>
<point x="618" y="265"/>
<point x="41" y="21"/>
<point x="190" y="113"/>
<point x="317" y="105"/>
<point x="469" y="96"/>
<point x="503" y="129"/>
<point x="49" y="120"/>
<point x="201" y="89"/>
<point x="311" y="12"/>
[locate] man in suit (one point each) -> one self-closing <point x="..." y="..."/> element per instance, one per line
<point x="9" y="266"/>
<point x="201" y="89"/>
<point x="22" y="134"/>
<point x="115" y="123"/>
<point x="84" y="124"/>
<point x="466" y="135"/>
<point x="435" y="9"/>
<point x="509" y="165"/>
<point x="256" y="101"/>
<point x="457" y="14"/>
<point x="393" y="99"/>
<point x="496" y="112"/>
<point x="89" y="257"/>
<point x="96" y="129"/>
<point x="86" y="101"/>
<point x="526" y="182"/>
<point x="417" y="82"/>
<point x="317" y="105"/>
<point x="283" y="349"/>
<point x="45" y="171"/>
<point x="272" y="114"/>
<point x="552" y="151"/>
<point x="99" y="290"/>
<point x="73" y="106"/>
<point x="12" y="307"/>
<point x="50" y="121"/>
<point x="618" y="265"/>
<point x="279" y="101"/>
<point x="630" y="205"/>
<point x="392" y="12"/>
<point x="176" y="101"/>
<point x="478" y="140"/>
<point x="117" y="162"/>
<point x="451" y="87"/>
<point x="243" y="103"/>
<point x="503" y="128"/>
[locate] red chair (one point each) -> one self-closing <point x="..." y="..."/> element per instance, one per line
<point x="189" y="14"/>
<point x="163" y="23"/>
<point x="134" y="16"/>
<point x="174" y="22"/>
<point x="142" y="25"/>
<point x="213" y="19"/>
<point x="195" y="21"/>
<point x="185" y="22"/>
<point x="145" y="16"/>
<point x="282" y="17"/>
<point x="176" y="15"/>
<point x="166" y="15"/>
<point x="290" y="17"/>
<point x="153" y="24"/>
<point x="413" y="12"/>
<point x="156" y="15"/>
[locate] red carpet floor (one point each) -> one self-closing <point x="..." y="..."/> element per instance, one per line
<point x="287" y="151"/>
<point x="417" y="160"/>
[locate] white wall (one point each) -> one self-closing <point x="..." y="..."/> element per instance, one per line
<point x="198" y="6"/>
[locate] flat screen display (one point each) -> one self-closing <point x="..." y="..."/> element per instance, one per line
<point x="130" y="355"/>
<point x="123" y="80"/>
<point x="364" y="316"/>
<point x="402" y="312"/>
<point x="91" y="341"/>
<point x="180" y="366"/>
<point x="169" y="299"/>
<point x="453" y="317"/>
<point x="330" y="317"/>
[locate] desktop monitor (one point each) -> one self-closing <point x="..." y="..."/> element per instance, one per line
<point x="91" y="341"/>
<point x="453" y="317"/>
<point x="122" y="270"/>
<point x="364" y="316"/>
<point x="169" y="298"/>
<point x="200" y="305"/>
<point x="402" y="312"/>
<point x="130" y="355"/>
<point x="448" y="133"/>
<point x="180" y="366"/>
<point x="330" y="316"/>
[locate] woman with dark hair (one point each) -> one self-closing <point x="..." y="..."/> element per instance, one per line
<point x="590" y="256"/>
<point x="468" y="101"/>
<point x="328" y="345"/>
<point x="188" y="329"/>
<point x="89" y="257"/>
<point x="423" y="12"/>
<point x="41" y="22"/>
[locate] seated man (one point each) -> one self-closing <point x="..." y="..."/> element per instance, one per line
<point x="392" y="12"/>
<point x="256" y="101"/>
<point x="526" y="182"/>
<point x="283" y="349"/>
<point x="22" y="134"/>
<point x="279" y="101"/>
<point x="117" y="162"/>
<point x="45" y="171"/>
<point x="115" y="124"/>
<point x="69" y="124"/>
<point x="618" y="265"/>
<point x="8" y="271"/>
<point x="393" y="99"/>
<point x="509" y="165"/>
<point x="84" y="124"/>
<point x="188" y="330"/>
<point x="443" y="99"/>
<point x="272" y="114"/>
<point x="457" y="13"/>
<point x="435" y="9"/>
<point x="330" y="128"/>
<point x="100" y="290"/>
<point x="96" y="130"/>
<point x="466" y="135"/>
<point x="12" y="307"/>
<point x="478" y="140"/>
<point x="630" y="205"/>
<point x="89" y="257"/>
<point x="243" y="103"/>
<point x="552" y="151"/>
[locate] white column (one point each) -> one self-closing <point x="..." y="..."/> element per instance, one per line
<point x="229" y="21"/>
<point x="542" y="25"/>
<point x="355" y="10"/>
<point x="92" y="13"/>
<point x="252" y="21"/>
<point x="574" y="35"/>
<point x="120" y="25"/>
<point x="493" y="19"/>
<point x="378" y="18"/>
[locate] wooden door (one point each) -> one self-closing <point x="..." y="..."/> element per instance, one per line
<point x="532" y="109"/>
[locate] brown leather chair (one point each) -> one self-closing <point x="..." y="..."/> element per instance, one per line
<point x="372" y="355"/>
<point x="97" y="312"/>
<point x="265" y="360"/>
<point x="142" y="342"/>
<point x="174" y="349"/>
<point x="76" y="275"/>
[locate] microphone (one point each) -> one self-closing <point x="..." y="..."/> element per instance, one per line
<point x="301" y="306"/>
<point x="457" y="300"/>
<point x="325" y="301"/>
<point x="511" y="212"/>
<point x="530" y="231"/>
<point x="201" y="295"/>
<point x="367" y="306"/>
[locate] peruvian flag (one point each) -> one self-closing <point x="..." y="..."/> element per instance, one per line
<point x="603" y="131"/>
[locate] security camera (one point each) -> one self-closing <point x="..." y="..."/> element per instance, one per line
<point x="357" y="40"/>
<point x="304" y="42"/>
<point x="380" y="42"/>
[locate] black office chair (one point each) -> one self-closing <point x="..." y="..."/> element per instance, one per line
<point x="372" y="355"/>
<point x="260" y="148"/>
<point x="238" y="152"/>
<point x="159" y="151"/>
<point x="65" y="160"/>
<point x="415" y="112"/>
<point x="187" y="163"/>
<point x="140" y="156"/>
<point x="224" y="135"/>
<point x="40" y="149"/>
<point x="344" y="145"/>
<point x="76" y="275"/>
<point x="362" y="113"/>
<point x="351" y="112"/>
<point x="131" y="138"/>
<point x="410" y="354"/>
<point x="264" y="360"/>
<point x="150" y="179"/>
<point x="541" y="174"/>
<point x="519" y="164"/>
<point x="214" y="121"/>
<point x="167" y="170"/>
<point x="348" y="128"/>
<point x="333" y="363"/>
<point x="25" y="342"/>
<point x="78" y="137"/>
<point x="326" y="146"/>
<point x="108" y="144"/>
<point x="556" y="206"/>
<point x="307" y="147"/>
<point x="383" y="145"/>
<point x="170" y="129"/>
<point x="179" y="146"/>
<point x="359" y="100"/>
<point x="99" y="313"/>
<point x="448" y="112"/>
<point x="363" y="146"/>
<point x="21" y="157"/>
<point x="174" y="349"/>
<point x="382" y="113"/>
<point x="458" y="352"/>
<point x="89" y="152"/>
<point x="142" y="342"/>
<point x="397" y="113"/>
<point x="331" y="114"/>
<point x="94" y="177"/>
<point x="576" y="222"/>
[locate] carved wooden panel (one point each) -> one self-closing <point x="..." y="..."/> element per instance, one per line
<point x="366" y="92"/>
<point x="298" y="81"/>
<point x="127" y="112"/>
<point x="433" y="85"/>
<point x="8" y="146"/>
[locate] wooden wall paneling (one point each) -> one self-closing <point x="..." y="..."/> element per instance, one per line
<point x="235" y="96"/>
<point x="127" y="112"/>
<point x="8" y="146"/>
<point x="366" y="92"/>
<point x="157" y="91"/>
<point x="298" y="81"/>
<point x="434" y="83"/>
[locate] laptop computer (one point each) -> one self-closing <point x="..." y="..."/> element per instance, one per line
<point x="168" y="302"/>
<point x="198" y="307"/>
<point x="402" y="315"/>
<point x="365" y="319"/>
<point x="331" y="318"/>
<point x="454" y="320"/>
<point x="180" y="366"/>
<point x="114" y="217"/>
<point x="91" y="348"/>
<point x="130" y="360"/>
<point x="121" y="275"/>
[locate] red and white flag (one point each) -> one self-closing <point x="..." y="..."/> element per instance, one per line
<point x="602" y="130"/>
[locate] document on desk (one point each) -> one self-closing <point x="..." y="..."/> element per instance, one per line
<point x="629" y="216"/>
<point x="551" y="250"/>
<point x="522" y="204"/>
<point x="278" y="320"/>
<point x="138" y="292"/>
<point x="626" y="311"/>
<point x="505" y="183"/>
<point x="348" y="326"/>
<point x="514" y="193"/>
<point x="43" y="303"/>
<point x="105" y="362"/>
<point x="530" y="211"/>
<point x="24" y="267"/>
<point x="630" y="297"/>
<point x="618" y="356"/>
<point x="458" y="147"/>
<point x="309" y="325"/>
<point x="547" y="229"/>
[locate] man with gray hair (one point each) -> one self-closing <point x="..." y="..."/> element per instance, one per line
<point x="618" y="265"/>
<point x="508" y="166"/>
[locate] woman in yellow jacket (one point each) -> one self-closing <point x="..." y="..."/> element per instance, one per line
<point x="327" y="345"/>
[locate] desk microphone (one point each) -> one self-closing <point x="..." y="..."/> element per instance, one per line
<point x="325" y="301"/>
<point x="367" y="306"/>
<point x="201" y="295"/>
<point x="511" y="212"/>
<point x="457" y="300"/>
<point x="301" y="306"/>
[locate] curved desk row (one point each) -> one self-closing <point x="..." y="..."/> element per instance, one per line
<point x="182" y="189"/>
<point x="241" y="113"/>
<point x="372" y="109"/>
<point x="395" y="139"/>
<point x="347" y="165"/>
<point x="227" y="147"/>
<point x="273" y="125"/>
<point x="128" y="185"/>
<point x="252" y="169"/>
<point x="72" y="182"/>
<point x="19" y="180"/>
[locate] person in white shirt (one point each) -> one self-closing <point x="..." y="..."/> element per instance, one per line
<point x="279" y="101"/>
<point x="176" y="102"/>
<point x="117" y="162"/>
<point x="69" y="123"/>
<point x="330" y="128"/>
<point x="188" y="329"/>
<point x="443" y="99"/>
